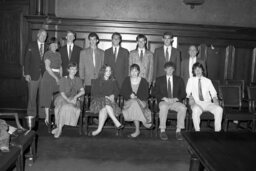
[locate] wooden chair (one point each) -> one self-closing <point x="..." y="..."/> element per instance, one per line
<point x="240" y="83"/>
<point x="172" y="115"/>
<point x="51" y="113"/>
<point x="232" y="102"/>
<point x="251" y="90"/>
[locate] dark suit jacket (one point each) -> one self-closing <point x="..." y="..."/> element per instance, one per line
<point x="74" y="57"/>
<point x="142" y="92"/>
<point x="120" y="66"/>
<point x="159" y="61"/>
<point x="185" y="68"/>
<point x="160" y="89"/>
<point x="33" y="64"/>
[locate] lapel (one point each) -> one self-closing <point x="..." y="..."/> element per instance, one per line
<point x="37" y="50"/>
<point x="164" y="84"/>
<point x="119" y="55"/>
<point x="97" y="59"/>
<point x="174" y="84"/>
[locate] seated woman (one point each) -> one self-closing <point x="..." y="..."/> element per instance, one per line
<point x="4" y="136"/>
<point x="67" y="106"/>
<point x="135" y="92"/>
<point x="104" y="90"/>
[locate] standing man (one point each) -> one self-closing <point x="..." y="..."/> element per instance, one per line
<point x="164" y="54"/>
<point x="201" y="93"/>
<point x="34" y="69"/>
<point x="187" y="63"/>
<point x="170" y="91"/>
<point x="91" y="60"/>
<point x="70" y="52"/>
<point x="118" y="58"/>
<point x="143" y="57"/>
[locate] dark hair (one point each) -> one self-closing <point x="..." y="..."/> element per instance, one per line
<point x="168" y="34"/>
<point x="72" y="32"/>
<point x="197" y="65"/>
<point x="141" y="36"/>
<point x="117" y="34"/>
<point x="135" y="66"/>
<point x="169" y="64"/>
<point x="52" y="40"/>
<point x="72" y="64"/>
<point x="102" y="72"/>
<point x="93" y="34"/>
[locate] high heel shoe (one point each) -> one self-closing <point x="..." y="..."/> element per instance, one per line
<point x="120" y="127"/>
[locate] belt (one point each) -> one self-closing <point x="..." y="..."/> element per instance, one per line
<point x="55" y="70"/>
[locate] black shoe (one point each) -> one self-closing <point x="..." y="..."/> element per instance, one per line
<point x="163" y="136"/>
<point x="120" y="127"/>
<point x="152" y="126"/>
<point x="179" y="136"/>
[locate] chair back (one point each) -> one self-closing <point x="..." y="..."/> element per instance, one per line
<point x="231" y="95"/>
<point x="237" y="82"/>
<point x="251" y="90"/>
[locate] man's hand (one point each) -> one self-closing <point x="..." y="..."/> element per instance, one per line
<point x="216" y="101"/>
<point x="191" y="100"/>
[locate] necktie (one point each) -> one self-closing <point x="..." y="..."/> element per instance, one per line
<point x="169" y="88"/>
<point x="200" y="94"/>
<point x="69" y="52"/>
<point x="167" y="55"/>
<point x="41" y="50"/>
<point x="115" y="53"/>
<point x="93" y="56"/>
<point x="141" y="55"/>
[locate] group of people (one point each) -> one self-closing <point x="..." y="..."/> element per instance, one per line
<point x="73" y="71"/>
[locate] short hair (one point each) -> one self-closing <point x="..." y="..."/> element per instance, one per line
<point x="197" y="65"/>
<point x="52" y="40"/>
<point x="117" y="34"/>
<point x="72" y="64"/>
<point x="135" y="66"/>
<point x="72" y="32"/>
<point x="169" y="64"/>
<point x="141" y="36"/>
<point x="168" y="34"/>
<point x="93" y="34"/>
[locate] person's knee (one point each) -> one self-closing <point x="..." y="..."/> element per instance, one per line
<point x="196" y="112"/>
<point x="163" y="106"/>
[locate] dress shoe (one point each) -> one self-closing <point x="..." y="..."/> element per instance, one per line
<point x="120" y="127"/>
<point x="163" y="136"/>
<point x="179" y="136"/>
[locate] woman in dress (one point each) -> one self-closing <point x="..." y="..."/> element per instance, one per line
<point x="104" y="91"/>
<point x="67" y="105"/>
<point x="50" y="81"/>
<point x="135" y="93"/>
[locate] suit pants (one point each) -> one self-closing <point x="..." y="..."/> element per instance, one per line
<point x="33" y="87"/>
<point x="178" y="107"/>
<point x="202" y="106"/>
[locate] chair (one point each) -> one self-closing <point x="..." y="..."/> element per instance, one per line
<point x="89" y="115"/>
<point x="11" y="158"/>
<point x="80" y="120"/>
<point x="237" y="82"/>
<point x="251" y="90"/>
<point x="172" y="115"/>
<point x="232" y="102"/>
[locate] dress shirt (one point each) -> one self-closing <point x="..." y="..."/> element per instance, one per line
<point x="192" y="61"/>
<point x="169" y="51"/>
<point x="208" y="91"/>
<point x="141" y="49"/>
<point x="171" y="79"/>
<point x="39" y="44"/>
<point x="72" y="45"/>
<point x="117" y="50"/>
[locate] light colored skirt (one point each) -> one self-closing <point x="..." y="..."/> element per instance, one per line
<point x="136" y="110"/>
<point x="4" y="136"/>
<point x="66" y="113"/>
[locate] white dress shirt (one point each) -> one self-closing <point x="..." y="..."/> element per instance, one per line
<point x="68" y="46"/>
<point x="171" y="80"/>
<point x="117" y="50"/>
<point x="208" y="90"/>
<point x="169" y="51"/>
<point x="141" y="49"/>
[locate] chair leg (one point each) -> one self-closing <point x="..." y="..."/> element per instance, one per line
<point x="86" y="125"/>
<point x="80" y="123"/>
<point x="226" y="125"/>
<point x="157" y="125"/>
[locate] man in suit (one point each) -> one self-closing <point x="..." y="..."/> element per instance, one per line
<point x="143" y="57"/>
<point x="164" y="54"/>
<point x="91" y="60"/>
<point x="170" y="91"/>
<point x="69" y="52"/>
<point x="186" y="64"/>
<point x="118" y="58"/>
<point x="34" y="69"/>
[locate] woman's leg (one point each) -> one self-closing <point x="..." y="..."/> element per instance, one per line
<point x="111" y="114"/>
<point x="58" y="130"/>
<point x="137" y="129"/>
<point x="102" y="118"/>
<point x="46" y="109"/>
<point x="147" y="125"/>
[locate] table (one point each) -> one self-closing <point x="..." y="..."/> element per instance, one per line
<point x="222" y="151"/>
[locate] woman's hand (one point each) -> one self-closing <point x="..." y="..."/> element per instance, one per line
<point x="111" y="98"/>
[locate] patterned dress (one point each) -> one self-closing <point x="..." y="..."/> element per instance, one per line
<point x="101" y="89"/>
<point x="48" y="84"/>
<point x="65" y="112"/>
